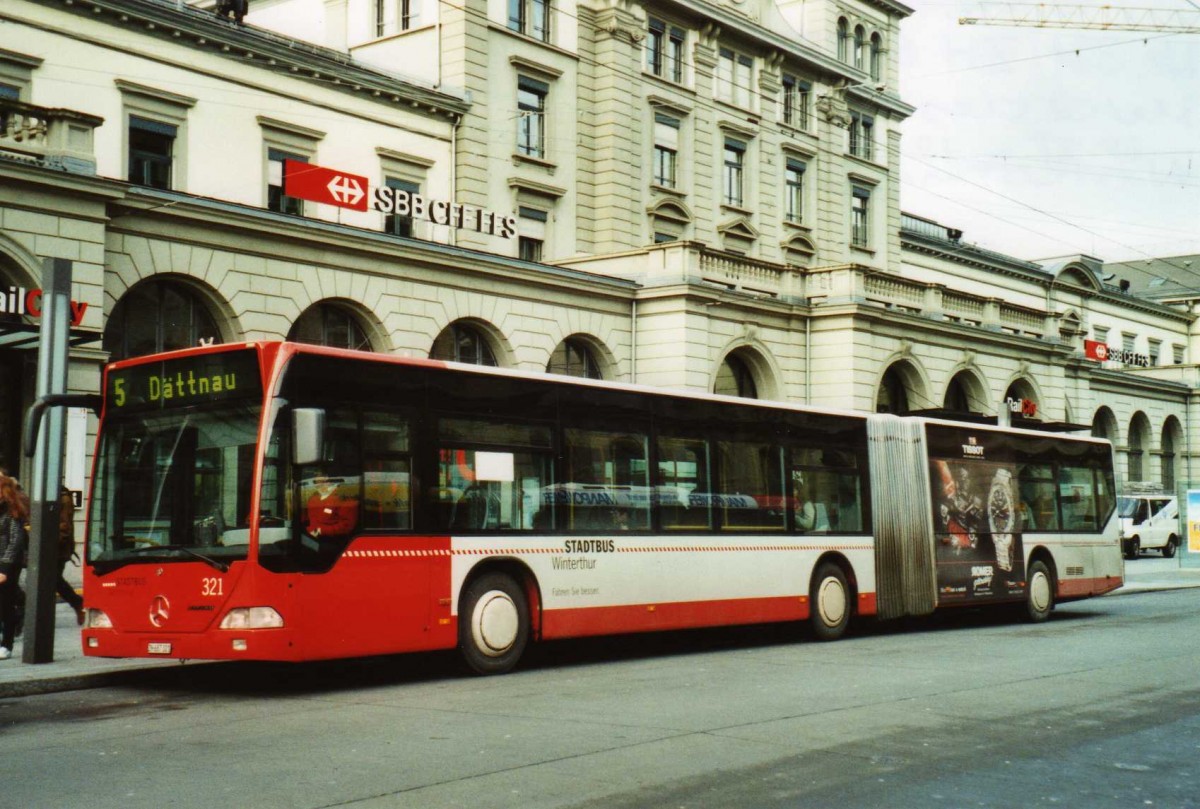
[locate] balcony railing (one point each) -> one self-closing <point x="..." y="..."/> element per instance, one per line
<point x="55" y="138"/>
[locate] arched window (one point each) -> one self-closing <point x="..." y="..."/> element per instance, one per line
<point x="1139" y="438"/>
<point x="157" y="316"/>
<point x="573" y="358"/>
<point x="460" y="342"/>
<point x="860" y="46"/>
<point x="843" y="39"/>
<point x="876" y="56"/>
<point x="957" y="400"/>
<point x="734" y="378"/>
<point x="893" y="393"/>
<point x="327" y="324"/>
<point x="1168" y="455"/>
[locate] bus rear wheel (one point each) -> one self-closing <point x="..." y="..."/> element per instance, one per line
<point x="1039" y="597"/>
<point x="493" y="623"/>
<point x="829" y="602"/>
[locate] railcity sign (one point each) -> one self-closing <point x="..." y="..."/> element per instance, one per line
<point x="345" y="190"/>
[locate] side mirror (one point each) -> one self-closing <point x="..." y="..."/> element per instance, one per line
<point x="308" y="435"/>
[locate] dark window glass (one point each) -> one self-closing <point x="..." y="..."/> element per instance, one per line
<point x="394" y="223"/>
<point x="683" y="488"/>
<point x="326" y="324"/>
<point x="276" y="201"/>
<point x="735" y="379"/>
<point x="750" y="494"/>
<point x="607" y="486"/>
<point x="462" y="343"/>
<point x="157" y="316"/>
<point x="151" y="145"/>
<point x="573" y="358"/>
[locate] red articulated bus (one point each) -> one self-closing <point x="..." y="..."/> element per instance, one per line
<point x="278" y="501"/>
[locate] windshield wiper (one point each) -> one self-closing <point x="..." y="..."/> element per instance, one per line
<point x="185" y="550"/>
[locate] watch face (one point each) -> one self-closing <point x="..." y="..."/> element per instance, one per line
<point x="1001" y="514"/>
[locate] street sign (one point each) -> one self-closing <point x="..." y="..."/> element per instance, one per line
<point x="319" y="184"/>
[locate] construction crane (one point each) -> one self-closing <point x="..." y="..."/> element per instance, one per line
<point x="1093" y="18"/>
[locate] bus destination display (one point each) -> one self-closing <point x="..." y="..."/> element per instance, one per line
<point x="202" y="379"/>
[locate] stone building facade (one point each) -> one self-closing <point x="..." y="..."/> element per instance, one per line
<point x="706" y="197"/>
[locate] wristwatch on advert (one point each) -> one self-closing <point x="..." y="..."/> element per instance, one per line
<point x="1002" y="513"/>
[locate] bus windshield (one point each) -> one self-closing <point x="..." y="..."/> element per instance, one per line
<point x="174" y="486"/>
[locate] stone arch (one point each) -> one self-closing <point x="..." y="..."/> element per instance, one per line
<point x="1171" y="445"/>
<point x="495" y="340"/>
<point x="605" y="361"/>
<point x="967" y="392"/>
<point x="194" y="292"/>
<point x="800" y="251"/>
<point x="19" y="266"/>
<point x="1104" y="424"/>
<point x="902" y="386"/>
<point x="372" y="331"/>
<point x="1137" y="452"/>
<point x="1022" y="387"/>
<point x="758" y="363"/>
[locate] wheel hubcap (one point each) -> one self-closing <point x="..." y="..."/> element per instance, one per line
<point x="1039" y="592"/>
<point x="495" y="623"/>
<point x="831" y="602"/>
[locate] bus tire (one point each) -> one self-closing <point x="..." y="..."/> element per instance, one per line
<point x="1133" y="549"/>
<point x="493" y="623"/>
<point x="1039" y="595"/>
<point x="1172" y="545"/>
<point x="830" y="602"/>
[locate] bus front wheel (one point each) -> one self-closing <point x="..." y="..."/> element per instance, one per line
<point x="493" y="623"/>
<point x="829" y="602"/>
<point x="1039" y="599"/>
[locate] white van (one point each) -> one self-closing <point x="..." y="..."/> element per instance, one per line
<point x="1148" y="521"/>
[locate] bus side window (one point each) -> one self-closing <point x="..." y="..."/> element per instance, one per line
<point x="608" y="480"/>
<point x="683" y="493"/>
<point x="331" y="491"/>
<point x="750" y="493"/>
<point x="387" y="471"/>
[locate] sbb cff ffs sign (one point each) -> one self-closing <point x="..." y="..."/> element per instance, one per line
<point x="1095" y="350"/>
<point x="332" y="187"/>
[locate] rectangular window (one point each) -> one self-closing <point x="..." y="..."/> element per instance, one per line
<point x="666" y="149"/>
<point x="531" y="125"/>
<point x="1101" y="334"/>
<point x="530" y="17"/>
<point x="1177" y="354"/>
<point x="387" y="468"/>
<point x="1127" y="341"/>
<point x="276" y="201"/>
<point x="151" y="146"/>
<point x="394" y="223"/>
<point x="1155" y="351"/>
<point x="794" y="110"/>
<point x="862" y="135"/>
<point x="860" y="217"/>
<point x="395" y="15"/>
<point x="794" y="190"/>
<point x="532" y="233"/>
<point x="683" y="492"/>
<point x="735" y="161"/>
<point x="735" y="73"/>
<point x="750" y="486"/>
<point x="492" y="476"/>
<point x="10" y="91"/>
<point x="608" y="481"/>
<point x="664" y="50"/>
<point x="826" y="490"/>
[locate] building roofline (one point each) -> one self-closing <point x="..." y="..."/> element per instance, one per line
<point x="251" y="45"/>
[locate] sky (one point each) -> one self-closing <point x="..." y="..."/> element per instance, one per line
<point x="1039" y="143"/>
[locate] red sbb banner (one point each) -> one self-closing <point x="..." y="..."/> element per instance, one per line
<point x="328" y="186"/>
<point x="1095" y="350"/>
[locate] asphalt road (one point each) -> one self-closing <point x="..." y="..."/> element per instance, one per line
<point x="1099" y="707"/>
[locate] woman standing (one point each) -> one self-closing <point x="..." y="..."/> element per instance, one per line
<point x="14" y="513"/>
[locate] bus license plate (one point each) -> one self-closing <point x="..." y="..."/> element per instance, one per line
<point x="158" y="648"/>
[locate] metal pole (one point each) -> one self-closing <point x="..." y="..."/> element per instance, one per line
<point x="47" y="463"/>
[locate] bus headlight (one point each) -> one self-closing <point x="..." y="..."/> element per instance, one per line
<point x="96" y="619"/>
<point x="252" y="618"/>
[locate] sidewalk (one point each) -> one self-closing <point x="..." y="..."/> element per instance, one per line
<point x="70" y="670"/>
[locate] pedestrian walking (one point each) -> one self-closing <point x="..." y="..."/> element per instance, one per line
<point x="14" y="514"/>
<point x="66" y="549"/>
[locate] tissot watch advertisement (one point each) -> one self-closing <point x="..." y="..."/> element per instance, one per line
<point x="977" y="522"/>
